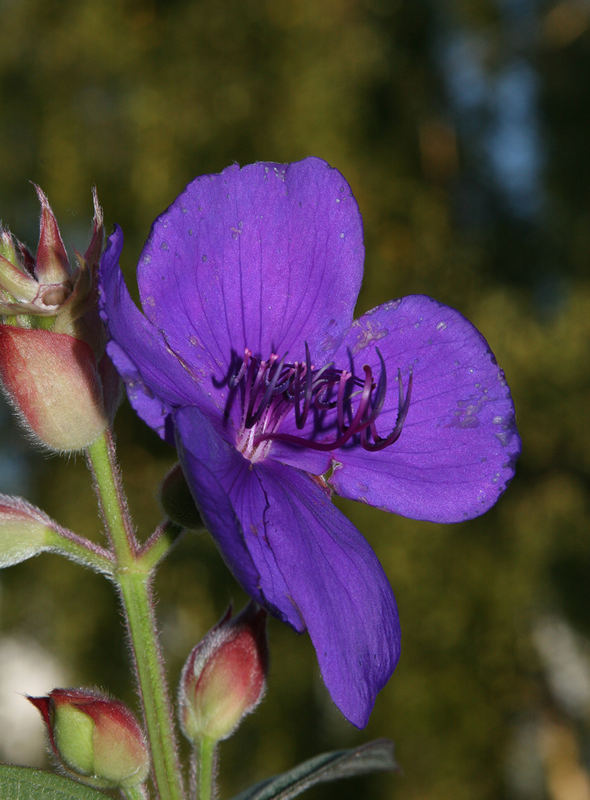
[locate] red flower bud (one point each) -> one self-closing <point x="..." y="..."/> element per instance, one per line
<point x="52" y="381"/>
<point x="224" y="677"/>
<point x="96" y="738"/>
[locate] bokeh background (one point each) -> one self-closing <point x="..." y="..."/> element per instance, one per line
<point x="463" y="129"/>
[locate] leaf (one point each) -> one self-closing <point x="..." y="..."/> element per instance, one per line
<point x="25" y="783"/>
<point x="374" y="756"/>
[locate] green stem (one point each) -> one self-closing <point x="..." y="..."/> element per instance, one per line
<point x="206" y="769"/>
<point x="137" y="602"/>
<point x="135" y="792"/>
<point x="192" y="787"/>
<point x="134" y="582"/>
<point x="158" y="545"/>
<point x="82" y="551"/>
<point x="112" y="500"/>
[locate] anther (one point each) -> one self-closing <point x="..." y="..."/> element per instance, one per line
<point x="271" y="389"/>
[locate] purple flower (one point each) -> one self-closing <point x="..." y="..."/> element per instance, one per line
<point x="248" y="358"/>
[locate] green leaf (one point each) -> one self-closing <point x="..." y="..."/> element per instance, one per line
<point x="24" y="783"/>
<point x="375" y="756"/>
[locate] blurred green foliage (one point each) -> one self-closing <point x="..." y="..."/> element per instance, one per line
<point x="137" y="98"/>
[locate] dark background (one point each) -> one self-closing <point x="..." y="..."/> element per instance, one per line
<point x="462" y="128"/>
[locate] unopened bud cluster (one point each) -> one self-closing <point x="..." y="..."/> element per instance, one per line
<point x="52" y="364"/>
<point x="45" y="290"/>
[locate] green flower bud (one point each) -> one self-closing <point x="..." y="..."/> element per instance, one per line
<point x="24" y="531"/>
<point x="96" y="738"/>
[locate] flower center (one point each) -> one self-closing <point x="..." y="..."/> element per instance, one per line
<point x="334" y="406"/>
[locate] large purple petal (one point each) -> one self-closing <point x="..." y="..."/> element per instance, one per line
<point x="459" y="441"/>
<point x="266" y="257"/>
<point x="209" y="463"/>
<point x="314" y="567"/>
<point x="156" y="380"/>
<point x="339" y="587"/>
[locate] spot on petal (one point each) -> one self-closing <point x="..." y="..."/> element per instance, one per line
<point x="371" y="333"/>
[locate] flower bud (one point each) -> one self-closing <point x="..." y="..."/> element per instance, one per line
<point x="47" y="286"/>
<point x="52" y="381"/>
<point x="53" y="366"/>
<point x="96" y="738"/>
<point x="224" y="677"/>
<point x="24" y="531"/>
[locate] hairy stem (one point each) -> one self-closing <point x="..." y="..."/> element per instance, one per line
<point x="111" y="499"/>
<point x="82" y="551"/>
<point x="207" y="789"/>
<point x="133" y="580"/>
<point x="135" y="793"/>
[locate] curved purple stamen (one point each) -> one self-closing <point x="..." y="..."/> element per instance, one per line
<point x="271" y="388"/>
